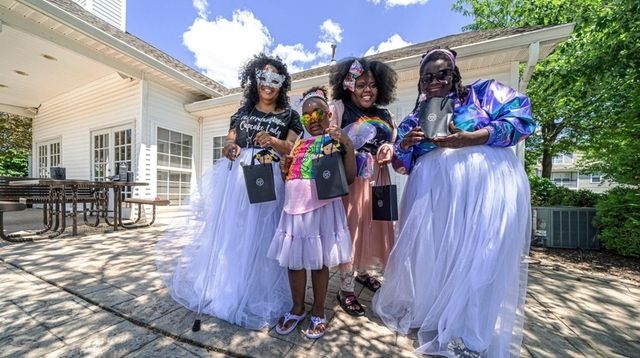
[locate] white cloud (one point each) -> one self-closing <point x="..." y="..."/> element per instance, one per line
<point x="221" y="46"/>
<point x="330" y="31"/>
<point x="298" y="58"/>
<point x="201" y="6"/>
<point x="292" y="54"/>
<point x="392" y="3"/>
<point x="391" y="43"/>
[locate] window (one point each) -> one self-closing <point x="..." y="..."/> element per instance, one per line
<point x="596" y="178"/>
<point x="175" y="162"/>
<point x="566" y="179"/>
<point x="48" y="156"/>
<point x="218" y="145"/>
<point x="563" y="159"/>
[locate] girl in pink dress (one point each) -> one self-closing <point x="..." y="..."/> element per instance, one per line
<point x="312" y="233"/>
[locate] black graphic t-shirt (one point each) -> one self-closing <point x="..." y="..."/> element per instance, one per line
<point x="380" y="118"/>
<point x="248" y="123"/>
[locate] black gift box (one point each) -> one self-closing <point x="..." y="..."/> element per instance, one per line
<point x="331" y="179"/>
<point x="384" y="202"/>
<point x="258" y="179"/>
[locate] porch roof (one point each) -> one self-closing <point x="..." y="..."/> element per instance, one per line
<point x="53" y="46"/>
<point x="479" y="53"/>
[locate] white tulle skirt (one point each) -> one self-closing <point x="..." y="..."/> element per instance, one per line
<point x="314" y="239"/>
<point x="458" y="270"/>
<point x="217" y="259"/>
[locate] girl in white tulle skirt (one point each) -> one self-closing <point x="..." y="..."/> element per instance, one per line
<point x="216" y="263"/>
<point x="312" y="233"/>
<point x="458" y="270"/>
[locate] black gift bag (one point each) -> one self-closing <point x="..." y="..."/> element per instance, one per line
<point x="434" y="116"/>
<point x="384" y="201"/>
<point x="258" y="179"/>
<point x="331" y="179"/>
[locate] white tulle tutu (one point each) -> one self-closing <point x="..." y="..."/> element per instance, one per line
<point x="458" y="269"/>
<point x="313" y="239"/>
<point x="224" y="248"/>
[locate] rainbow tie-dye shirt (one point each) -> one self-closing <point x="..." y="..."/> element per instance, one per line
<point x="305" y="151"/>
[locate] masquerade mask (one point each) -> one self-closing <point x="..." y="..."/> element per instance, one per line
<point x="316" y="116"/>
<point x="268" y="78"/>
<point x="355" y="71"/>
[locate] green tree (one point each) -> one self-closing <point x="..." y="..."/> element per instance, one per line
<point x="586" y="93"/>
<point x="15" y="144"/>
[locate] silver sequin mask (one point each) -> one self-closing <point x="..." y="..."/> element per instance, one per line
<point x="268" y="78"/>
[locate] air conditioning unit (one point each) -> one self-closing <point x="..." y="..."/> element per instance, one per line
<point x="565" y="227"/>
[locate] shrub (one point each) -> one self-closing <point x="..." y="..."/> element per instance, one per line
<point x="545" y="193"/>
<point x="618" y="219"/>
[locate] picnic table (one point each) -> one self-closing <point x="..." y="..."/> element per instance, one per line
<point x="64" y="191"/>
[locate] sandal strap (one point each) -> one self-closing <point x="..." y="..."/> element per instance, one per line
<point x="292" y="317"/>
<point x="373" y="281"/>
<point x="351" y="300"/>
<point x="315" y="321"/>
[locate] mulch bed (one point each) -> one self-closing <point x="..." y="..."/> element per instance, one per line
<point x="596" y="263"/>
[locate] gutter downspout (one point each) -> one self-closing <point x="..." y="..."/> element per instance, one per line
<point x="534" y="57"/>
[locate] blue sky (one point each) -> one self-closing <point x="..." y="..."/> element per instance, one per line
<point x="216" y="37"/>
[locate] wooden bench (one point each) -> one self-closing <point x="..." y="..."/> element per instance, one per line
<point x="7" y="206"/>
<point x="37" y="194"/>
<point x="142" y="201"/>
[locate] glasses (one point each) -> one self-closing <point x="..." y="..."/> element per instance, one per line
<point x="317" y="115"/>
<point x="361" y="86"/>
<point x="442" y="75"/>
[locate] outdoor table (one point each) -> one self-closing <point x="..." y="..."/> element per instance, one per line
<point x="58" y="199"/>
<point x="117" y="187"/>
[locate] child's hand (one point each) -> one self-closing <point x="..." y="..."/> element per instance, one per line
<point x="285" y="163"/>
<point x="337" y="134"/>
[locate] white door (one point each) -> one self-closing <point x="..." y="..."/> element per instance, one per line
<point x="48" y="156"/>
<point x="111" y="147"/>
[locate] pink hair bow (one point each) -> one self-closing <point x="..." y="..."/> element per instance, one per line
<point x="355" y="71"/>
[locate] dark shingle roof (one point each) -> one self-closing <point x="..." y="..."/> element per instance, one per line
<point x="451" y="41"/>
<point x="79" y="12"/>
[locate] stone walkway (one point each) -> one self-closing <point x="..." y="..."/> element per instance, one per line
<point x="99" y="295"/>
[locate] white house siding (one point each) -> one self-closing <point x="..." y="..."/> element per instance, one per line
<point x="215" y="126"/>
<point x="102" y="104"/>
<point x="164" y="108"/>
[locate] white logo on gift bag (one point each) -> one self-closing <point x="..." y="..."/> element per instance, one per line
<point x="380" y="203"/>
<point x="326" y="174"/>
<point x="431" y="117"/>
<point x="259" y="182"/>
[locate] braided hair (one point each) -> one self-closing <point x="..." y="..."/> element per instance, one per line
<point x="461" y="90"/>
